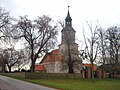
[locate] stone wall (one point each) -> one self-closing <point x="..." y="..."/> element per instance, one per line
<point x="29" y="75"/>
<point x="14" y="75"/>
<point x="51" y="75"/>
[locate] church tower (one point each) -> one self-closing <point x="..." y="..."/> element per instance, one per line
<point x="68" y="41"/>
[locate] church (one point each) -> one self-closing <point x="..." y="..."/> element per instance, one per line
<point x="57" y="60"/>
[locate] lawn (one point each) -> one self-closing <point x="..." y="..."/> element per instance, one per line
<point x="80" y="84"/>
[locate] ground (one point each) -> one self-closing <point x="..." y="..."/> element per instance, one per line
<point x="81" y="84"/>
<point x="7" y="83"/>
<point x="76" y="84"/>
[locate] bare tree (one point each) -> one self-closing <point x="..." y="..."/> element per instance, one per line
<point x="39" y="34"/>
<point x="102" y="45"/>
<point x="22" y="60"/>
<point x="10" y="57"/>
<point x="113" y="49"/>
<point x="91" y="45"/>
<point x="2" y="63"/>
<point x="5" y="22"/>
<point x="109" y="45"/>
<point x="113" y="36"/>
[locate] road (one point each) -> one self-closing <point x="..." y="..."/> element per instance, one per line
<point x="7" y="83"/>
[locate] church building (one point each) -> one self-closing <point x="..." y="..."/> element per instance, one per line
<point x="57" y="60"/>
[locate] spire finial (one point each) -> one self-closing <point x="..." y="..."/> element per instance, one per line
<point x="68" y="7"/>
<point x="68" y="15"/>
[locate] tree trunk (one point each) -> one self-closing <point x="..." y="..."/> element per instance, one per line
<point x="3" y="68"/>
<point x="70" y="64"/>
<point x="116" y="57"/>
<point x="92" y="70"/>
<point x="33" y="59"/>
<point x="33" y="65"/>
<point x="18" y="68"/>
<point x="9" y="67"/>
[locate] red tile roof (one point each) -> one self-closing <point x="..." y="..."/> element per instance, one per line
<point x="52" y="56"/>
<point x="89" y="65"/>
<point x="39" y="67"/>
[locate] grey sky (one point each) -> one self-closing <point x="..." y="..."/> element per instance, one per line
<point x="105" y="11"/>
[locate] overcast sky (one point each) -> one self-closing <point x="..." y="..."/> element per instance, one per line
<point x="107" y="12"/>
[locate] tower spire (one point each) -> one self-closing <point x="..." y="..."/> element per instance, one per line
<point x="68" y="15"/>
<point x="68" y="19"/>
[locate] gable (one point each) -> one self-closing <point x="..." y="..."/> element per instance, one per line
<point x="52" y="56"/>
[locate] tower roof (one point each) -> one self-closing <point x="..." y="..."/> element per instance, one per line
<point x="68" y="18"/>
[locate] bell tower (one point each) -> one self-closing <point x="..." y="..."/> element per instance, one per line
<point x="68" y="37"/>
<point x="68" y="48"/>
<point x="68" y="33"/>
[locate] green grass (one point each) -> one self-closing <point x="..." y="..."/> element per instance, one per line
<point x="80" y="84"/>
<point x="77" y="84"/>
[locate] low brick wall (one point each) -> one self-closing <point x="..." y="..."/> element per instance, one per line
<point x="15" y="75"/>
<point x="116" y="76"/>
<point x="29" y="75"/>
<point x="50" y="75"/>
